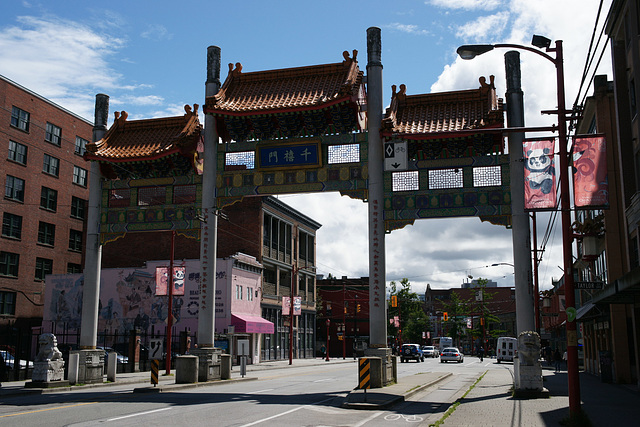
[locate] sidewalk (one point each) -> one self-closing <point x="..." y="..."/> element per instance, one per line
<point x="490" y="403"/>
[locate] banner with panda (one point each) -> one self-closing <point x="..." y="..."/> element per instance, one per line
<point x="539" y="174"/>
<point x="590" y="180"/>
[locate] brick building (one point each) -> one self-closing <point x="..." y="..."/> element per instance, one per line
<point x="45" y="194"/>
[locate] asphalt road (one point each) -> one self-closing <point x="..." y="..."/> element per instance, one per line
<point x="295" y="396"/>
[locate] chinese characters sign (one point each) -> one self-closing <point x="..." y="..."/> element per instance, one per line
<point x="289" y="155"/>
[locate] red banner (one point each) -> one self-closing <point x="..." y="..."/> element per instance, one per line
<point x="590" y="181"/>
<point x="178" y="281"/>
<point x="539" y="174"/>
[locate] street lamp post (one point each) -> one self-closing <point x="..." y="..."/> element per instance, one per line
<point x="470" y="52"/>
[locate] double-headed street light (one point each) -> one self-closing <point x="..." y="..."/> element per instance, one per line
<point x="470" y="52"/>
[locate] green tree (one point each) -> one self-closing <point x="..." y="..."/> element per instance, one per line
<point x="413" y="320"/>
<point x="457" y="310"/>
<point x="483" y="309"/>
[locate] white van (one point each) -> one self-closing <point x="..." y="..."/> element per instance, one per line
<point x="507" y="348"/>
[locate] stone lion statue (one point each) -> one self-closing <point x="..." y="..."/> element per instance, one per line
<point x="528" y="348"/>
<point x="48" y="348"/>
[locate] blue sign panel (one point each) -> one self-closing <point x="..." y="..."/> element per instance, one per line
<point x="289" y="155"/>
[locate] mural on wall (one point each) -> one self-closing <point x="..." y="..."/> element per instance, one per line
<point x="128" y="300"/>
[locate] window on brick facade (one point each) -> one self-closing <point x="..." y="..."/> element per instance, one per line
<point x="238" y="292"/>
<point x="18" y="152"/>
<point x="46" y="233"/>
<point x="79" y="176"/>
<point x="49" y="199"/>
<point x="75" y="240"/>
<point x="14" y="188"/>
<point x="53" y="134"/>
<point x="7" y="303"/>
<point x="119" y="198"/>
<point x="183" y="194"/>
<point x="44" y="266"/>
<point x="9" y="263"/>
<point x="20" y="119"/>
<point x="78" y="207"/>
<point x="81" y="145"/>
<point x="150" y="196"/>
<point x="11" y="225"/>
<point x="51" y="165"/>
<point x="73" y="268"/>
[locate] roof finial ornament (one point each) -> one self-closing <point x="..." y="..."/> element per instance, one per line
<point x="189" y="111"/>
<point x="121" y="116"/>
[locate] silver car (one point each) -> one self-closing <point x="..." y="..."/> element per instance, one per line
<point x="429" y="351"/>
<point x="451" y="354"/>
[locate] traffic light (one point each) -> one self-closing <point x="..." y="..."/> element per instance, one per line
<point x="445" y="316"/>
<point x="394" y="300"/>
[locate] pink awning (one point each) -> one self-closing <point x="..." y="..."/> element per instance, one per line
<point x="245" y="323"/>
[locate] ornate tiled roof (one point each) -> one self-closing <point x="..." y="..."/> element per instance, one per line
<point x="429" y="115"/>
<point x="148" y="141"/>
<point x="289" y="102"/>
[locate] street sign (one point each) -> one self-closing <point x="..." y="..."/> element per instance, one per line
<point x="243" y="347"/>
<point x="588" y="285"/>
<point x="395" y="156"/>
<point x="156" y="350"/>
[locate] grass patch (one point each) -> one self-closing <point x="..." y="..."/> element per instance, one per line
<point x="457" y="403"/>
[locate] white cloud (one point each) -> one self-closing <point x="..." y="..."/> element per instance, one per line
<point x="466" y="4"/>
<point x="74" y="57"/>
<point x="156" y="32"/>
<point x="408" y="28"/>
<point x="484" y="27"/>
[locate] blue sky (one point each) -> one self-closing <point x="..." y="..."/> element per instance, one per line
<point x="150" y="58"/>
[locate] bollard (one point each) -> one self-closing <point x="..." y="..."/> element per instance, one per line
<point x="186" y="369"/>
<point x="74" y="361"/>
<point x="112" y="366"/>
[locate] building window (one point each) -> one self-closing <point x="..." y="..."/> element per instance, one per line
<point x="149" y="196"/>
<point x="79" y="176"/>
<point x="75" y="240"/>
<point x="346" y="153"/>
<point x="74" y="268"/>
<point x="44" y="266"/>
<point x="7" y="303"/>
<point x="46" y="233"/>
<point x="77" y="207"/>
<point x="14" y="188"/>
<point x="405" y="181"/>
<point x="11" y="226"/>
<point x="440" y="179"/>
<point x="49" y="199"/>
<point x="53" y="134"/>
<point x="81" y="145"/>
<point x="487" y="176"/>
<point x="240" y="160"/>
<point x="238" y="292"/>
<point x="51" y="165"/>
<point x="20" y="119"/>
<point x="9" y="264"/>
<point x="18" y="152"/>
<point x="119" y="198"/>
<point x="249" y="294"/>
<point x="183" y="194"/>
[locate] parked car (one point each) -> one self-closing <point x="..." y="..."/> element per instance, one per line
<point x="451" y="354"/>
<point x="429" y="351"/>
<point x="10" y="361"/>
<point x="411" y="352"/>
<point x="122" y="359"/>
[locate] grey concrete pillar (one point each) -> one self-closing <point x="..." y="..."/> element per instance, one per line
<point x="377" y="275"/>
<point x="521" y="235"/>
<point x="209" y="225"/>
<point x="93" y="257"/>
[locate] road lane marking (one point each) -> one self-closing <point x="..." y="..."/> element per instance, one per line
<point x="137" y="414"/>
<point x="260" y="391"/>
<point x="285" y="413"/>
<point x="366" y="420"/>
<point x="48" y="409"/>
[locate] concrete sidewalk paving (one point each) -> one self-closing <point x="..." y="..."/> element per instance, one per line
<point x="490" y="403"/>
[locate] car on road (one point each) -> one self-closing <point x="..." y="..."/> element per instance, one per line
<point x="451" y="354"/>
<point x="411" y="352"/>
<point x="10" y="361"/>
<point x="429" y="351"/>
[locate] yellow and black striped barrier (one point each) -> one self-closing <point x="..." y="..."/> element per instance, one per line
<point x="364" y="371"/>
<point x="154" y="372"/>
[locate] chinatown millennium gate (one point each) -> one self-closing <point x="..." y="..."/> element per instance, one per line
<point x="320" y="128"/>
